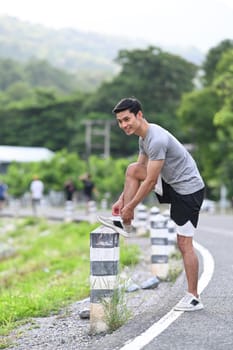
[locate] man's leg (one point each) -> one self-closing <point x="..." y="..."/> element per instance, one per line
<point x="185" y="244"/>
<point x="135" y="173"/>
<point x="184" y="208"/>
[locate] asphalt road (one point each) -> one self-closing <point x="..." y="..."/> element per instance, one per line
<point x="211" y="328"/>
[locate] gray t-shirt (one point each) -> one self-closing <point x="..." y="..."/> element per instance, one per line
<point x="179" y="170"/>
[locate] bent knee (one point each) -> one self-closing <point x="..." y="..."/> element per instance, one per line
<point x="136" y="170"/>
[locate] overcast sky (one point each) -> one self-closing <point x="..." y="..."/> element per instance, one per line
<point x="199" y="23"/>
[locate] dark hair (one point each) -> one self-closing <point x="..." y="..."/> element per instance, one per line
<point x="130" y="103"/>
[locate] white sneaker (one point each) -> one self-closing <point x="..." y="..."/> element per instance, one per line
<point x="116" y="224"/>
<point x="189" y="303"/>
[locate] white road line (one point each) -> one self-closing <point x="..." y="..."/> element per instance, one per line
<point x="158" y="327"/>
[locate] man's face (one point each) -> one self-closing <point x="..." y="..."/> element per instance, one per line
<point x="128" y="122"/>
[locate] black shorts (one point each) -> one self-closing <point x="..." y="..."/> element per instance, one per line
<point x="184" y="207"/>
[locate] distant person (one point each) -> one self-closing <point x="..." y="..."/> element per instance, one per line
<point x="69" y="190"/>
<point x="3" y="194"/>
<point x="88" y="189"/>
<point x="36" y="189"/>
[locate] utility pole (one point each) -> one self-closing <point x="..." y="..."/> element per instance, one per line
<point x="98" y="137"/>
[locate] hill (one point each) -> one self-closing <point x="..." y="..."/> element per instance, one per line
<point x="66" y="48"/>
<point x="89" y="55"/>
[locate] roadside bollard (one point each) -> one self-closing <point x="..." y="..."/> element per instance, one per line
<point x="171" y="226"/>
<point x="92" y="211"/>
<point x="104" y="204"/>
<point x="141" y="217"/>
<point x="159" y="246"/>
<point x="104" y="266"/>
<point x="68" y="211"/>
<point x="153" y="212"/>
<point x="15" y="205"/>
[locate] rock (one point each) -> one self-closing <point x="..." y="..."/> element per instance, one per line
<point x="84" y="314"/>
<point x="151" y="283"/>
<point x="132" y="288"/>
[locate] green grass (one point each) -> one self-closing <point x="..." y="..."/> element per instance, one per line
<point x="129" y="254"/>
<point x="50" y="269"/>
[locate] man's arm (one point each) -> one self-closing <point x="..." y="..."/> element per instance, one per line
<point x="153" y="170"/>
<point x="119" y="204"/>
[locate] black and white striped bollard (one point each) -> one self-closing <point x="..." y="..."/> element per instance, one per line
<point x="171" y="227"/>
<point x="104" y="261"/>
<point x="172" y="236"/>
<point x="69" y="211"/>
<point x="159" y="246"/>
<point x="141" y="217"/>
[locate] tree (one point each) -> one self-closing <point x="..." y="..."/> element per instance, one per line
<point x="207" y="115"/>
<point x="212" y="59"/>
<point x="223" y="118"/>
<point x="41" y="73"/>
<point x="36" y="73"/>
<point x="157" y="78"/>
<point x="48" y="122"/>
<point x="10" y="73"/>
<point x="196" y="114"/>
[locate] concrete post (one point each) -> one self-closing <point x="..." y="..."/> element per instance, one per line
<point x="69" y="211"/>
<point x="171" y="226"/>
<point x="104" y="266"/>
<point x="92" y="212"/>
<point x="141" y="217"/>
<point x="172" y="235"/>
<point x="159" y="246"/>
<point x="153" y="212"/>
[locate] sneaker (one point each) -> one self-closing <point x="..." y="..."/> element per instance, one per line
<point x="189" y="303"/>
<point x="116" y="224"/>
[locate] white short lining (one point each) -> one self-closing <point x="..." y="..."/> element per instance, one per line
<point x="186" y="230"/>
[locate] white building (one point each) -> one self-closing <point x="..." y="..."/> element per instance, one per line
<point x="20" y="154"/>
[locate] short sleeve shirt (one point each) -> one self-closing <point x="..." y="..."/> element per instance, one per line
<point x="179" y="170"/>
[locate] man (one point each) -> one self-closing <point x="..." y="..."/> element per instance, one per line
<point x="162" y="157"/>
<point x="88" y="190"/>
<point x="3" y="194"/>
<point x="36" y="189"/>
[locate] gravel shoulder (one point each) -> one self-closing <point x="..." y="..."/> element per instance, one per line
<point x="67" y="331"/>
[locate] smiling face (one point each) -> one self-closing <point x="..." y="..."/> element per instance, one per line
<point x="129" y="122"/>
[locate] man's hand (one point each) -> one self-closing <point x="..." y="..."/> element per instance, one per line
<point x="127" y="214"/>
<point x="116" y="208"/>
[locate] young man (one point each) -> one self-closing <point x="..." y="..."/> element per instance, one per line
<point x="162" y="157"/>
<point x="3" y="194"/>
<point x="36" y="189"/>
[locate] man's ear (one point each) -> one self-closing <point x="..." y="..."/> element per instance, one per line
<point x="140" y="114"/>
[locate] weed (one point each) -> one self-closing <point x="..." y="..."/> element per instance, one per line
<point x="115" y="310"/>
<point x="4" y="343"/>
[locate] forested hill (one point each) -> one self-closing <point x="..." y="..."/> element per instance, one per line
<point x="70" y="49"/>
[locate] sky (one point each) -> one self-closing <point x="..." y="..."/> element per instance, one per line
<point x="185" y="23"/>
